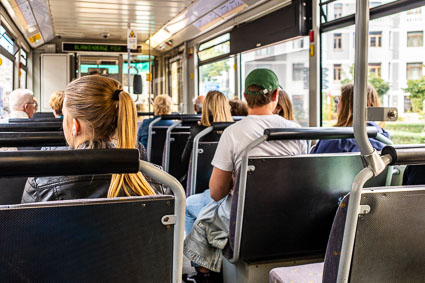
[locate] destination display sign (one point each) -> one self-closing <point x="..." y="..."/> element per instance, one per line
<point x="89" y="47"/>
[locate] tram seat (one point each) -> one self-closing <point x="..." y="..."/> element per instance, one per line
<point x="159" y="134"/>
<point x="96" y="240"/>
<point x="178" y="139"/>
<point x="35" y="120"/>
<point x="31" y="127"/>
<point x="43" y="115"/>
<point x="12" y="190"/>
<point x="311" y="273"/>
<point x="206" y="151"/>
<point x="289" y="206"/>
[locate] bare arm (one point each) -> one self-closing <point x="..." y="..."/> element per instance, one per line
<point x="220" y="183"/>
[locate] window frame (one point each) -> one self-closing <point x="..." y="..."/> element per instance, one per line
<point x="377" y="35"/>
<point x="337" y="72"/>
<point x="337" y="40"/>
<point x="376" y="67"/>
<point x="216" y="58"/>
<point x="414" y="65"/>
<point x="411" y="35"/>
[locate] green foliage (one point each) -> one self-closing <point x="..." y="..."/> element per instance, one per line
<point x="406" y="133"/>
<point x="379" y="84"/>
<point x="416" y="89"/>
<point x="405" y="127"/>
<point x="211" y="71"/>
<point x="407" y="138"/>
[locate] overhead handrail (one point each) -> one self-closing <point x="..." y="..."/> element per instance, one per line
<point x="405" y="154"/>
<point x="86" y="161"/>
<point x="32" y="139"/>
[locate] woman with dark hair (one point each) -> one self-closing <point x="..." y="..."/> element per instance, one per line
<point x="345" y="119"/>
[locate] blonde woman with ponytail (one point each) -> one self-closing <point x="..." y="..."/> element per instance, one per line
<point x="98" y="114"/>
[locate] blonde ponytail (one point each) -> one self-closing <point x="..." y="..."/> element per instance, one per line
<point x="127" y="138"/>
<point x="111" y="113"/>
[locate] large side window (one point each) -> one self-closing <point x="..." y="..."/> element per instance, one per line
<point x="396" y="67"/>
<point x="6" y="71"/>
<point x="290" y="61"/>
<point x="216" y="66"/>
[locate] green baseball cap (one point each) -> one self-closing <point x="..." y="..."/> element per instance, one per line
<point x="264" y="78"/>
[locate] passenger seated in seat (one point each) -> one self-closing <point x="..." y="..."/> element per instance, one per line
<point x="22" y="103"/>
<point x="345" y="119"/>
<point x="284" y="106"/>
<point x="56" y="102"/>
<point x="215" y="108"/>
<point x="161" y="106"/>
<point x="209" y="234"/>
<point x="97" y="113"/>
<point x="238" y="107"/>
<point x="197" y="104"/>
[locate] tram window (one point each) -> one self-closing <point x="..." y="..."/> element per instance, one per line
<point x="216" y="47"/>
<point x="290" y="62"/>
<point x="415" y="38"/>
<point x="219" y="75"/>
<point x="23" y="58"/>
<point x="5" y="41"/>
<point x="395" y="71"/>
<point x="6" y="83"/>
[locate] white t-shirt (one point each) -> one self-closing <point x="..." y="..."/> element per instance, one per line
<point x="236" y="137"/>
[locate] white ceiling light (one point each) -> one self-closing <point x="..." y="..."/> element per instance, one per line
<point x="159" y="37"/>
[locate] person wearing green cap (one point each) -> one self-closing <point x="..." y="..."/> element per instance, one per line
<point x="209" y="234"/>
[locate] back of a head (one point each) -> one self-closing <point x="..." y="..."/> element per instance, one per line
<point x="162" y="105"/>
<point x="215" y="107"/>
<point x="197" y="103"/>
<point x="238" y="107"/>
<point x="260" y="85"/>
<point x="56" y="102"/>
<point x="111" y="114"/>
<point x="19" y="97"/>
<point x="345" y="114"/>
<point x="285" y="104"/>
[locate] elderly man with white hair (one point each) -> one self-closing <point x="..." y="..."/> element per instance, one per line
<point x="22" y="103"/>
<point x="197" y="104"/>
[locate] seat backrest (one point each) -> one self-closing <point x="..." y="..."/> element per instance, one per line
<point x="35" y="120"/>
<point x="206" y="151"/>
<point x="159" y="134"/>
<point x="11" y="190"/>
<point x="290" y="203"/>
<point x="31" y="127"/>
<point x="389" y="244"/>
<point x="178" y="139"/>
<point x="98" y="240"/>
<point x="43" y="115"/>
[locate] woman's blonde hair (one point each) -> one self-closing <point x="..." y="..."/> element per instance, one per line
<point x="215" y="107"/>
<point x="111" y="113"/>
<point x="285" y="106"/>
<point x="162" y="105"/>
<point x="345" y="115"/>
<point x="56" y="102"/>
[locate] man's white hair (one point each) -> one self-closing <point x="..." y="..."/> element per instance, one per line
<point x="19" y="97"/>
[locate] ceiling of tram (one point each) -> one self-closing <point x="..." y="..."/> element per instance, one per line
<point x="93" y="19"/>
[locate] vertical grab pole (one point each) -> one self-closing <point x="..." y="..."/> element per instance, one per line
<point x="179" y="211"/>
<point x="375" y="164"/>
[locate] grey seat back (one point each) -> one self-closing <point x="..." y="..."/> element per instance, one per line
<point x="11" y="189"/>
<point x="204" y="168"/>
<point x="178" y="139"/>
<point x="290" y="203"/>
<point x="99" y="240"/>
<point x="389" y="244"/>
<point x="159" y="134"/>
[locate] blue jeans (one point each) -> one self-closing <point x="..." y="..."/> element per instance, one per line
<point x="194" y="205"/>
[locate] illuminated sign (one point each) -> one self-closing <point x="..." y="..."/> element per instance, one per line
<point x="88" y="47"/>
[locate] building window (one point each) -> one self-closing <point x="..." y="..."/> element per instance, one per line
<point x="337" y="10"/>
<point x="416" y="11"/>
<point x="337" y="72"/>
<point x="375" y="39"/>
<point x="415" y="38"/>
<point x="297" y="71"/>
<point x="414" y="71"/>
<point x="298" y="43"/>
<point x="375" y="69"/>
<point x="338" y="41"/>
